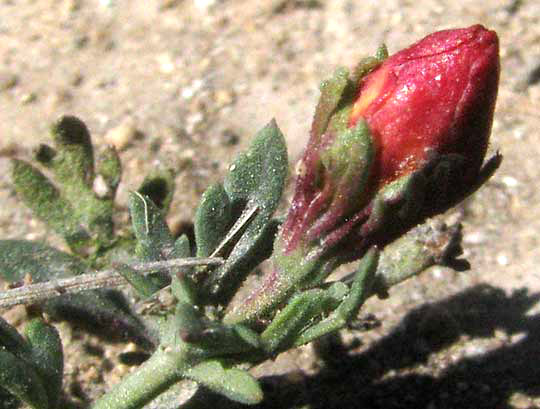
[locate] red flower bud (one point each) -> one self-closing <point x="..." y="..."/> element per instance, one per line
<point x="433" y="98"/>
<point x="401" y="140"/>
<point x="436" y="96"/>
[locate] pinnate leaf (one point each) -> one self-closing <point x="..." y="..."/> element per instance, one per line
<point x="254" y="185"/>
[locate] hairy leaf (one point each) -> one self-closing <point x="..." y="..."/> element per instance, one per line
<point x="255" y="181"/>
<point x="212" y="220"/>
<point x="47" y="204"/>
<point x="110" y="169"/>
<point x="154" y="240"/>
<point x="74" y="162"/>
<point x="47" y="357"/>
<point x="236" y="384"/>
<point x="332" y="91"/>
<point x="73" y="167"/>
<point x="19" y="378"/>
<point x="12" y="341"/>
<point x="39" y="261"/>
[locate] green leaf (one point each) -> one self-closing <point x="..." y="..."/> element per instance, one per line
<point x="348" y="162"/>
<point x="110" y="169"/>
<point x="361" y="286"/>
<point x="217" y="339"/>
<point x="235" y="384"/>
<point x="70" y="206"/>
<point x="43" y="263"/>
<point x="382" y="53"/>
<point x="255" y="181"/>
<point x="47" y="357"/>
<point x="19" y="378"/>
<point x="73" y="167"/>
<point x="297" y="315"/>
<point x="368" y="64"/>
<point x="364" y="277"/>
<point x="213" y="220"/>
<point x="12" y="341"/>
<point x="174" y="397"/>
<point x="144" y="286"/>
<point x="332" y="91"/>
<point x="74" y="162"/>
<point x="47" y="204"/>
<point x="154" y="240"/>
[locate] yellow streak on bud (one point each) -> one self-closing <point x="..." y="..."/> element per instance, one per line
<point x="368" y="94"/>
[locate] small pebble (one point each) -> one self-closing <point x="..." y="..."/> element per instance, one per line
<point x="518" y="132"/>
<point x="9" y="149"/>
<point x="8" y="80"/>
<point x="122" y="135"/>
<point x="510" y="181"/>
<point x="502" y="259"/>
<point x="76" y="79"/>
<point x="437" y="273"/>
<point x="168" y="4"/>
<point x="130" y="347"/>
<point x="166" y="63"/>
<point x="229" y="137"/>
<point x="193" y="120"/>
<point x="189" y="91"/>
<point x="224" y="97"/>
<point x="205" y="5"/>
<point x="28" y="98"/>
<point x="71" y="6"/>
<point x="106" y="3"/>
<point x="475" y="237"/>
<point x="81" y="41"/>
<point x="100" y="187"/>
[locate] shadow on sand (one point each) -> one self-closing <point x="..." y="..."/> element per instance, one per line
<point x="378" y="377"/>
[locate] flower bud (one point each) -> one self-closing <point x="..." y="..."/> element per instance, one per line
<point x="384" y="150"/>
<point x="431" y="99"/>
<point x="436" y="96"/>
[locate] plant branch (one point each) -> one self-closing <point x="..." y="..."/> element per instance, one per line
<point x="148" y="381"/>
<point x="38" y="292"/>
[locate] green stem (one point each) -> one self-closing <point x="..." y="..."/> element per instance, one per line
<point x="153" y="377"/>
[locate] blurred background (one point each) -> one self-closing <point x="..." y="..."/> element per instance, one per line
<point x="185" y="84"/>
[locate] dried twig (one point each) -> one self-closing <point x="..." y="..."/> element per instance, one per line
<point x="38" y="292"/>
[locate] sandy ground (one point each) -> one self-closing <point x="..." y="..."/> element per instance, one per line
<point x="184" y="84"/>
